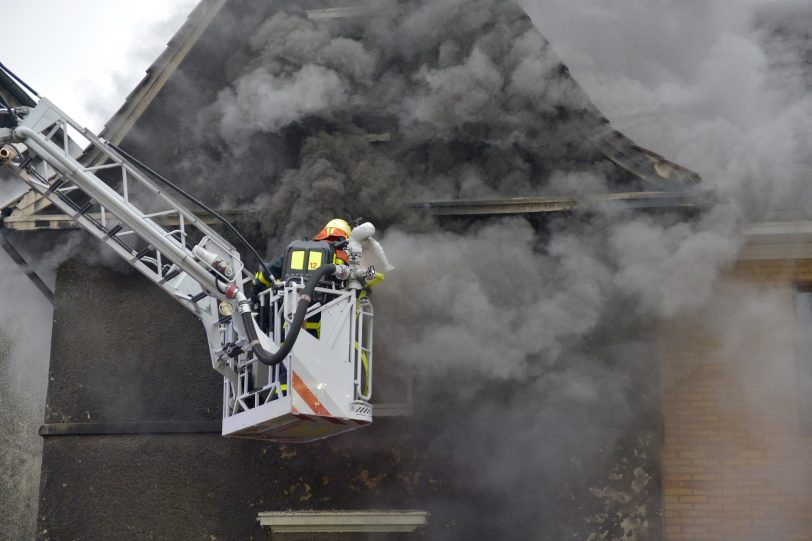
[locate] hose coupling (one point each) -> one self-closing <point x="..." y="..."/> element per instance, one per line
<point x="7" y="153"/>
<point x="342" y="272"/>
<point x="232" y="290"/>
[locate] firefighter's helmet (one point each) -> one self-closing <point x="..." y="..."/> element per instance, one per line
<point x="335" y="228"/>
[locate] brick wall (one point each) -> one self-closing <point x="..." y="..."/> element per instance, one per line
<point x="774" y="271"/>
<point x="736" y="461"/>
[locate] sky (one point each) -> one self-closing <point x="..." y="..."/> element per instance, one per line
<point x="104" y="49"/>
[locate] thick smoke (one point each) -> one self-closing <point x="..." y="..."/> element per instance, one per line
<point x="476" y="104"/>
<point x="544" y="340"/>
<point x="720" y="86"/>
<point x="723" y="88"/>
<point x="472" y="110"/>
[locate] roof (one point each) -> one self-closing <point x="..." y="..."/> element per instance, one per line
<point x="543" y="205"/>
<point x="654" y="172"/>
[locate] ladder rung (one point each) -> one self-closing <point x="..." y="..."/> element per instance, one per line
<point x="143" y="252"/>
<point x="84" y="208"/>
<point x="24" y="164"/>
<point x="199" y="297"/>
<point x="67" y="200"/>
<point x="55" y="185"/>
<point x="112" y="231"/>
<point x="170" y="275"/>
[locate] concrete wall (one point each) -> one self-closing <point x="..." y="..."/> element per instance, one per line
<point x="736" y="460"/>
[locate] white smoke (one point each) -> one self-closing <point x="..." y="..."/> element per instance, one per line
<point x="720" y="86"/>
<point x="312" y="90"/>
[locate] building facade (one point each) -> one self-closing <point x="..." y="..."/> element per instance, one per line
<point x="700" y="433"/>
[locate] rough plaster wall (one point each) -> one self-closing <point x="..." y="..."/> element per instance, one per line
<point x="23" y="382"/>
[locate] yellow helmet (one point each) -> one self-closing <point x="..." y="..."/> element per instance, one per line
<point x="335" y="228"/>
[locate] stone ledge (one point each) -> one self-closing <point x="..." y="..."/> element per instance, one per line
<point x="342" y="521"/>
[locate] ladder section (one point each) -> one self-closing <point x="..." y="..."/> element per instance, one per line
<point x="121" y="207"/>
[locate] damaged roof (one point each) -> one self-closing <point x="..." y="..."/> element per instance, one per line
<point x="649" y="176"/>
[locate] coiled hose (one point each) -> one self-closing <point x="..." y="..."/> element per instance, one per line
<point x="272" y="359"/>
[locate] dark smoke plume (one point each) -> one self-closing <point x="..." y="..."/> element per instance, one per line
<point x="482" y="108"/>
<point x="535" y="345"/>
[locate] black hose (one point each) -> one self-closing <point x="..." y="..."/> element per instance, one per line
<point x="196" y="201"/>
<point x="15" y="77"/>
<point x="272" y="359"/>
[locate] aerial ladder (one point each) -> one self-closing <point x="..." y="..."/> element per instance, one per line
<point x="279" y="384"/>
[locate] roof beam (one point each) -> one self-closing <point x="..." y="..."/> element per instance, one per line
<point x="540" y="205"/>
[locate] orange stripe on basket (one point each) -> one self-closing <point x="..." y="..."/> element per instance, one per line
<point x="308" y="396"/>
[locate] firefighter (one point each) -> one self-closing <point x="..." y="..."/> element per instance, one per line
<point x="335" y="231"/>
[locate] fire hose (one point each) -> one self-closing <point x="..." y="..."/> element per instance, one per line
<point x="272" y="359"/>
